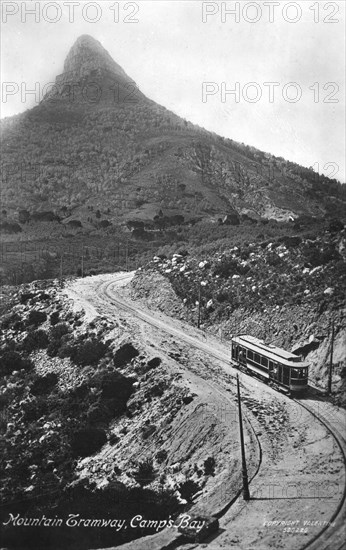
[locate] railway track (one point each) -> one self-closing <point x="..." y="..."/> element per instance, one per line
<point x="330" y="537"/>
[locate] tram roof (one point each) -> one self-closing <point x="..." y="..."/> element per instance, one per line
<point x="273" y="352"/>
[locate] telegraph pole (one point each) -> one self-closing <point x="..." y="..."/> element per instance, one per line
<point x="82" y="270"/>
<point x="199" y="306"/>
<point x="61" y="267"/>
<point x="331" y="360"/>
<point x="246" y="493"/>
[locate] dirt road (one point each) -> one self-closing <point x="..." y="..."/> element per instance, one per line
<point x="297" y="495"/>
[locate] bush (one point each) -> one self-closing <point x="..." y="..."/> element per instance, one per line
<point x="10" y="321"/>
<point x="54" y="318"/>
<point x="154" y="362"/>
<point x="156" y="390"/>
<point x="113" y="440"/>
<point x="33" y="410"/>
<point x="148" y="430"/>
<point x="59" y="330"/>
<point x="37" y="339"/>
<point x="187" y="489"/>
<point x="226" y="267"/>
<point x="145" y="473"/>
<point x="66" y="348"/>
<point x="115" y="388"/>
<point x="53" y="348"/>
<point x="12" y="360"/>
<point x="87" y="441"/>
<point x="25" y="296"/>
<point x="88" y="352"/>
<point x="209" y="466"/>
<point x="124" y="355"/>
<point x="161" y="455"/>
<point x="44" y="384"/>
<point x="36" y="317"/>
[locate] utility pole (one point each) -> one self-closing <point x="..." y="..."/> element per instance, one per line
<point x="331" y="360"/>
<point x="199" y="306"/>
<point x="82" y="269"/>
<point x="246" y="493"/>
<point x="61" y="254"/>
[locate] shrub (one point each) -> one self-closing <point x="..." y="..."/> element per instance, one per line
<point x="154" y="362"/>
<point x="53" y="348"/>
<point x="36" y="317"/>
<point x="187" y="489"/>
<point x="115" y="389"/>
<point x="37" y="339"/>
<point x="33" y="410"/>
<point x="66" y="348"/>
<point x="98" y="413"/>
<point x="161" y="455"/>
<point x="25" y="296"/>
<point x="88" y="352"/>
<point x="54" y="318"/>
<point x="156" y="390"/>
<point x="12" y="360"/>
<point x="145" y="473"/>
<point x="148" y="430"/>
<point x="226" y="267"/>
<point x="44" y="384"/>
<point x="10" y="321"/>
<point x="113" y="440"/>
<point x="59" y="330"/>
<point x="335" y="226"/>
<point x="209" y="466"/>
<point x="124" y="355"/>
<point x="87" y="441"/>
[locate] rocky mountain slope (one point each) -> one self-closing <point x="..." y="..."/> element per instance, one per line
<point x="94" y="424"/>
<point x="286" y="291"/>
<point x="96" y="140"/>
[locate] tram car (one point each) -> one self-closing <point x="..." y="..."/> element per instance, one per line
<point x="275" y="366"/>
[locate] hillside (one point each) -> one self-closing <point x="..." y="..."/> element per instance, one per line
<point x="286" y="290"/>
<point x="95" y="141"/>
<point x="95" y="423"/>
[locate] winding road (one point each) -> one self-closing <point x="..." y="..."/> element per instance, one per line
<point x="330" y="531"/>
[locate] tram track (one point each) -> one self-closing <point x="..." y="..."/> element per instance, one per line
<point x="330" y="536"/>
<point x="322" y="539"/>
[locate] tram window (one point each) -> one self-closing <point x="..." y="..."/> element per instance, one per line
<point x="264" y="361"/>
<point x="298" y="373"/>
<point x="257" y="358"/>
<point x="250" y="354"/>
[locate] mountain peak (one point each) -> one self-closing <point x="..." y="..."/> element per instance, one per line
<point x="87" y="55"/>
<point x="92" y="76"/>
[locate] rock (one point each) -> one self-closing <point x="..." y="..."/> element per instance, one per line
<point x="328" y="291"/>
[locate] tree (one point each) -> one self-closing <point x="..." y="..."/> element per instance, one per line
<point x="23" y="216"/>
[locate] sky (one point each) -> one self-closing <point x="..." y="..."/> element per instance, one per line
<point x="269" y="73"/>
